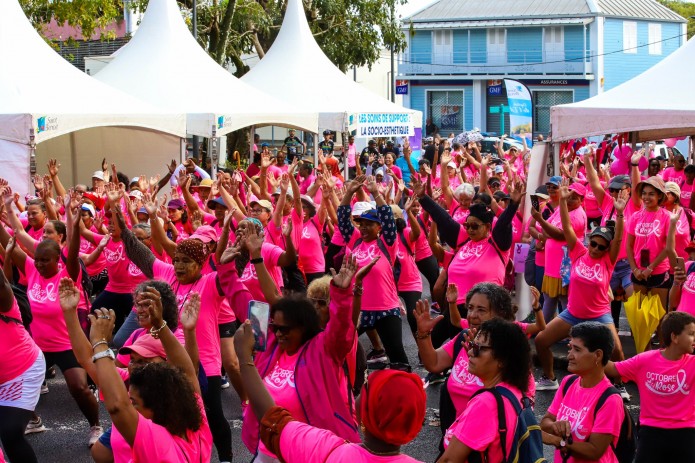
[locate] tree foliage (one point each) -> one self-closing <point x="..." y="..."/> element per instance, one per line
<point x="685" y="9"/>
<point x="350" y="32"/>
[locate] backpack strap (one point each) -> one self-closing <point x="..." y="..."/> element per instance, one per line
<point x="8" y="319"/>
<point x="566" y="387"/>
<point x="690" y="269"/>
<point x="458" y="340"/>
<point x="380" y="244"/>
<point x="401" y="235"/>
<point x="601" y="401"/>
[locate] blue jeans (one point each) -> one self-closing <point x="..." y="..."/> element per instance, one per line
<point x="130" y="324"/>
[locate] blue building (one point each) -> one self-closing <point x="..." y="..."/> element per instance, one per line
<point x="459" y="52"/>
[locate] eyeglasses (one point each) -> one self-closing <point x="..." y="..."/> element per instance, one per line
<point x="256" y="211"/>
<point x="476" y="348"/>
<point x="283" y="329"/>
<point x="600" y="247"/>
<point x="615" y="190"/>
<point x="318" y="301"/>
<point x="471" y="226"/>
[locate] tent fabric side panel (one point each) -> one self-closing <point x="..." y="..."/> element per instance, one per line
<point x="15" y="127"/>
<point x="14" y="159"/>
<point x="134" y="151"/>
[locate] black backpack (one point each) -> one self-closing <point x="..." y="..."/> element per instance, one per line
<point x="527" y="443"/>
<point x="624" y="451"/>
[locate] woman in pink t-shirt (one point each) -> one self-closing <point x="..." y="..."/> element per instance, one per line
<point x="572" y="424"/>
<point x="665" y="379"/>
<point x="500" y="356"/>
<point x="589" y="288"/>
<point x="409" y="281"/>
<point x="23" y="370"/>
<point x="392" y="409"/>
<point x="685" y="221"/>
<point x="425" y="260"/>
<point x="179" y="226"/>
<point x="647" y="231"/>
<point x="161" y="417"/>
<point x="310" y="250"/>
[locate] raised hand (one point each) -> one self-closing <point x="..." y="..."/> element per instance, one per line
<point x="418" y="187"/>
<point x="621" y="201"/>
<point x="409" y="203"/>
<point x="372" y="186"/>
<point x="154" y="181"/>
<point x="564" y="189"/>
<point x="343" y="279"/>
<point x="68" y="294"/>
<point x="287" y="229"/>
<point x="517" y="191"/>
<point x="38" y="183"/>
<point x="189" y="315"/>
<point x="452" y="293"/>
<point x="102" y="323"/>
<point x="364" y="271"/>
<point x="635" y="158"/>
<point x="675" y="216"/>
<point x="425" y="322"/>
<point x="231" y="253"/>
<point x="535" y="297"/>
<point x="355" y="184"/>
<point x="171" y="167"/>
<point x="53" y="167"/>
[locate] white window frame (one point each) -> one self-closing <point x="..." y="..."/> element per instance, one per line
<point x="630" y="37"/>
<point x="447" y="89"/>
<point x="654" y="38"/>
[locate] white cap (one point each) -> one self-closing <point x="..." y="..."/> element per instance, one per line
<point x="452" y="164"/>
<point x="135" y="194"/>
<point x="98" y="174"/>
<point x="361" y="207"/>
<point x="379" y="171"/>
<point x="89" y="208"/>
<point x="134" y="180"/>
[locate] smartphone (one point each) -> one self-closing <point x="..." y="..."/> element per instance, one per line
<point x="259" y="314"/>
<point x="680" y="263"/>
<point x="535" y="203"/>
<point x="644" y="258"/>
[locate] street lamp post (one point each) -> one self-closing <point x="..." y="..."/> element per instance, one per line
<point x="194" y="20"/>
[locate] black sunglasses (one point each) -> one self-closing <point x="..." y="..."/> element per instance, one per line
<point x="615" y="190"/>
<point x="600" y="247"/>
<point x="476" y="348"/>
<point x="471" y="226"/>
<point x="551" y="186"/>
<point x="284" y="329"/>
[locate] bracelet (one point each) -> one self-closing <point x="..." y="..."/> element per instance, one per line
<point x="538" y="309"/>
<point x="634" y="165"/>
<point x="620" y="216"/>
<point x="103" y="341"/>
<point x="155" y="332"/>
<point x="257" y="260"/>
<point x="357" y="290"/>
<point x="422" y="336"/>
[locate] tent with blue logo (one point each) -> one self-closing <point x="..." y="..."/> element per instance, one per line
<point x="49" y="108"/>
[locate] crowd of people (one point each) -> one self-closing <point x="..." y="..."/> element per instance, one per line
<point x="140" y="289"/>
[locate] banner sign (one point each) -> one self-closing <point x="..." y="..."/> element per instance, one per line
<point x="449" y="119"/>
<point x="520" y="110"/>
<point x="494" y="87"/>
<point x="401" y="87"/>
<point x="381" y="124"/>
<point x="416" y="142"/>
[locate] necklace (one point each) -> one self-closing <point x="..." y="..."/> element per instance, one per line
<point x="380" y="454"/>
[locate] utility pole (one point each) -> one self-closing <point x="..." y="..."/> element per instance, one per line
<point x="393" y="74"/>
<point x="196" y="142"/>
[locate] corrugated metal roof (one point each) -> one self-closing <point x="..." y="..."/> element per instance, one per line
<point x="491" y="9"/>
<point x="498" y="23"/>
<point x="466" y="10"/>
<point x="647" y="9"/>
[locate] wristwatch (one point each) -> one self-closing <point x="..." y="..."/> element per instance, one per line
<point x="103" y="354"/>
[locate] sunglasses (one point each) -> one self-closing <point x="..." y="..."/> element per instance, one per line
<point x="283" y="329"/>
<point x="551" y="186"/>
<point x="615" y="190"/>
<point x="600" y="247"/>
<point x="476" y="348"/>
<point x="471" y="226"/>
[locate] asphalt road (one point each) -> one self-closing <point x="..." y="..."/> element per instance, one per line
<point x="66" y="439"/>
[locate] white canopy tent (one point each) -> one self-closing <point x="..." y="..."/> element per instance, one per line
<point x="46" y="101"/>
<point x="308" y="79"/>
<point x="654" y="105"/>
<point x="165" y="66"/>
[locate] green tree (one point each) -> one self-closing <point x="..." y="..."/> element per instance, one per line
<point x="685" y="9"/>
<point x="350" y="32"/>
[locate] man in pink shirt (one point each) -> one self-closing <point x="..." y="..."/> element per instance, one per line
<point x="677" y="172"/>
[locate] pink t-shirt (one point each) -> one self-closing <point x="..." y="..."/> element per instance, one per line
<point x="182" y="231"/>
<point x="270" y="254"/>
<point x="476" y="262"/>
<point x="211" y="301"/>
<point x="687" y="303"/>
<point x="609" y="213"/>
<point x="409" y="278"/>
<point x="422" y="246"/>
<point x="650" y="230"/>
<point x="48" y="326"/>
<point x="483" y="434"/>
<point x="664" y="388"/>
<point x="280" y="385"/>
<point x="196" y="447"/>
<point x="591" y="205"/>
<point x="379" y="285"/>
<point x="459" y="214"/>
<point x="578" y="406"/>
<point x="124" y="275"/>
<point x="311" y="256"/>
<point x="590" y="280"/>
<point x="17" y="350"/>
<point x="305" y="443"/>
<point x="553" y="248"/>
<point x="686" y="193"/>
<point x="672" y="175"/>
<point x="683" y="234"/>
<point x="461" y="383"/>
<point x="87" y="247"/>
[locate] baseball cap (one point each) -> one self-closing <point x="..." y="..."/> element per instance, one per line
<point x="134" y="180"/>
<point x="137" y="194"/>
<point x="452" y="164"/>
<point x="619" y="181"/>
<point x="264" y="145"/>
<point x="146" y="346"/>
<point x="142" y="210"/>
<point x="371" y="142"/>
<point x="89" y="208"/>
<point x="177" y="203"/>
<point x="578" y="188"/>
<point x="542" y="192"/>
<point x="98" y="174"/>
<point x="389" y="142"/>
<point x="370" y="215"/>
<point x="690" y="247"/>
<point x="500" y="195"/>
<point x="604" y="232"/>
<point x="326" y="132"/>
<point x="212" y="203"/>
<point x="205" y="233"/>
<point x="306" y="199"/>
<point x="554" y="180"/>
<point x="264" y="203"/>
<point x="361" y="207"/>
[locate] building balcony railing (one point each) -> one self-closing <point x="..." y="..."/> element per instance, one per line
<point x="564" y="62"/>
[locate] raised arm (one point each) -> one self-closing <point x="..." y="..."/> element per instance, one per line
<point x="344" y="210"/>
<point x="592" y="176"/>
<point x="53" y="169"/>
<point x="72" y="263"/>
<point x="415" y="229"/>
<point x="636" y="178"/>
<point x="137" y="252"/>
<point x="502" y="232"/>
<point x="620" y="203"/>
<point x="448" y="227"/>
<point x="568" y="231"/>
<point x="158" y="234"/>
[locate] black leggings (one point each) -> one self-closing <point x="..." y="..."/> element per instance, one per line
<point x="390" y="331"/>
<point x="331" y="252"/>
<point x="658" y="444"/>
<point x="312" y="276"/>
<point x="219" y="426"/>
<point x="429" y="267"/>
<point x="121" y="303"/>
<point x="410" y="298"/>
<point x="13" y="422"/>
<point x="444" y="329"/>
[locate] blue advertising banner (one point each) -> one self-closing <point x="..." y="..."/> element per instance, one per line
<point x="520" y="111"/>
<point x="401" y="87"/>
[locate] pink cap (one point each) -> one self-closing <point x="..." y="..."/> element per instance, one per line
<point x="205" y="233"/>
<point x="146" y="346"/>
<point x="578" y="188"/>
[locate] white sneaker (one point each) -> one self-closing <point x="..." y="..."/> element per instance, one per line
<point x="35" y="426"/>
<point x="44" y="388"/>
<point x="546" y="384"/>
<point x="623" y="393"/>
<point x="94" y="433"/>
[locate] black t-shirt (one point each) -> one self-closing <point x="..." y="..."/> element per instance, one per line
<point x="364" y="156"/>
<point x="293" y="147"/>
<point x="429" y="153"/>
<point x="326" y="146"/>
<point x="393" y="149"/>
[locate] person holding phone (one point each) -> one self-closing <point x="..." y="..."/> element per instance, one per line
<point x="589" y="288"/>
